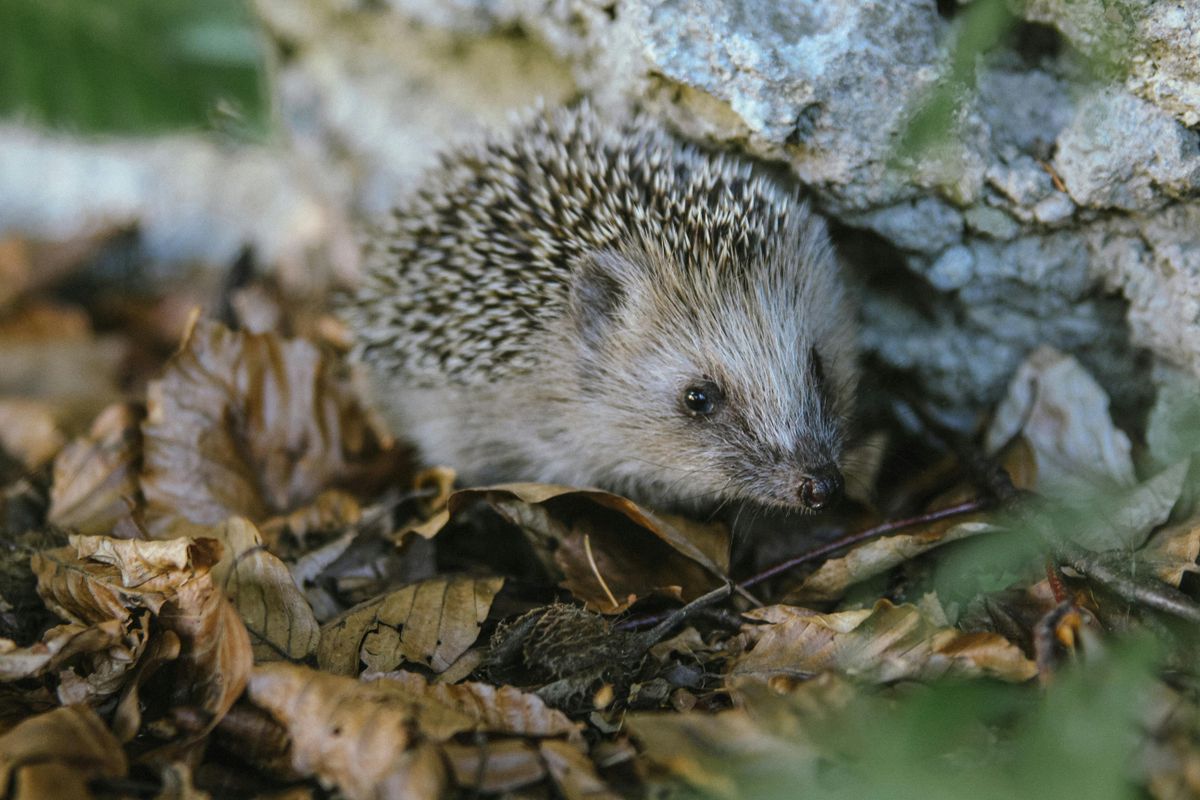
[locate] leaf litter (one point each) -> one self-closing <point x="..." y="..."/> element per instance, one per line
<point x="229" y="580"/>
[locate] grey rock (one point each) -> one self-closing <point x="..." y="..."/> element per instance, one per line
<point x="1122" y="152"/>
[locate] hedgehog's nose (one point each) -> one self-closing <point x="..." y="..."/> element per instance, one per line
<point x="821" y="487"/>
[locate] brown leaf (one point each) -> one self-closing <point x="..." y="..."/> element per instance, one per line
<point x="364" y="738"/>
<point x="277" y="617"/>
<point x="431" y="623"/>
<point x="55" y="755"/>
<point x="880" y="645"/>
<point x="58" y="644"/>
<point x="101" y="578"/>
<point x="495" y="709"/>
<point x="95" y="476"/>
<point x="832" y="578"/>
<point x="247" y="425"/>
<point x="634" y="550"/>
<point x="1173" y="551"/>
<point x="574" y="773"/>
<point x="495" y="767"/>
<point x="331" y="510"/>
<point x="29" y="432"/>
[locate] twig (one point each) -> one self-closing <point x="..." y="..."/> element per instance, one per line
<point x="1154" y="595"/>
<point x="587" y="548"/>
<point x="969" y="507"/>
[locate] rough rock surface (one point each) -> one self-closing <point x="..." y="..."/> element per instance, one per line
<point x="1063" y="208"/>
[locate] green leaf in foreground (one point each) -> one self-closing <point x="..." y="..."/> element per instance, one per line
<point x="132" y="66"/>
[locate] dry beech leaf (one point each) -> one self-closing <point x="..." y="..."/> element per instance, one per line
<point x="58" y="644"/>
<point x="246" y="424"/>
<point x="495" y="767"/>
<point x="636" y="551"/>
<point x="100" y="578"/>
<point x="277" y="617"/>
<point x="371" y="740"/>
<point x="883" y="644"/>
<point x="1064" y="414"/>
<point x="332" y="510"/>
<point x="55" y="755"/>
<point x="430" y="623"/>
<point x="1173" y="551"/>
<point x="95" y="476"/>
<point x="833" y="577"/>
<point x="29" y="431"/>
<point x="573" y="772"/>
<point x="495" y="709"/>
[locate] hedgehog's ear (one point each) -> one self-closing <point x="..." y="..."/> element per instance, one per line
<point x="598" y="292"/>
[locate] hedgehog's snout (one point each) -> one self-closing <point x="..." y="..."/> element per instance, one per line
<point x="821" y="487"/>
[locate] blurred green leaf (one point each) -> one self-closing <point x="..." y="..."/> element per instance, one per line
<point x="133" y="66"/>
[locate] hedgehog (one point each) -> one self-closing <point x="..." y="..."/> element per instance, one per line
<point x="603" y="304"/>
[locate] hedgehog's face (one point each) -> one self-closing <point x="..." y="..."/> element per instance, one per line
<point x="708" y="388"/>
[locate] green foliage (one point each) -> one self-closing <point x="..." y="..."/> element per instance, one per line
<point x="132" y="66"/>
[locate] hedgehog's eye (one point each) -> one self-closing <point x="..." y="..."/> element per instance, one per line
<point x="701" y="399"/>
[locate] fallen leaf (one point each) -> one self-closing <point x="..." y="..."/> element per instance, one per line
<point x="494" y="709"/>
<point x="1064" y="414"/>
<point x="57" y="753"/>
<point x="574" y="773"/>
<point x="58" y="644"/>
<point x="1173" y="551"/>
<point x="246" y="425"/>
<point x="430" y="623"/>
<point x="364" y="738"/>
<point x="29" y="432"/>
<point x="880" y="645"/>
<point x="277" y="617"/>
<point x="101" y="578"/>
<point x="634" y="550"/>
<point x="833" y="577"/>
<point x="95" y="476"/>
<point x="495" y="767"/>
<point x="331" y="510"/>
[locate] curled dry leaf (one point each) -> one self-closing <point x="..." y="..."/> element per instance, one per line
<point x="1063" y="413"/>
<point x="29" y="432"/>
<point x="876" y="557"/>
<point x="247" y="424"/>
<point x="573" y="772"/>
<point x="430" y="623"/>
<point x="497" y="767"/>
<point x="880" y="645"/>
<point x="634" y="550"/>
<point x="95" y="476"/>
<point x="57" y="753"/>
<point x="331" y="510"/>
<point x="277" y="617"/>
<point x="100" y="578"/>
<point x="58" y="645"/>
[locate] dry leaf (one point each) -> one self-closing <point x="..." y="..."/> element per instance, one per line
<point x="100" y="578"/>
<point x="1064" y="414"/>
<point x="332" y="510"/>
<point x="574" y="773"/>
<point x="495" y="767"/>
<point x="58" y="644"/>
<point x="634" y="550"/>
<point x="876" y="557"/>
<point x="95" y="476"/>
<point x="29" y="432"/>
<point x="364" y="738"/>
<point x="495" y="709"/>
<point x="883" y="644"/>
<point x="246" y="425"/>
<point x="1173" y="551"/>
<point x="54" y="755"/>
<point x="277" y="617"/>
<point x="431" y="623"/>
